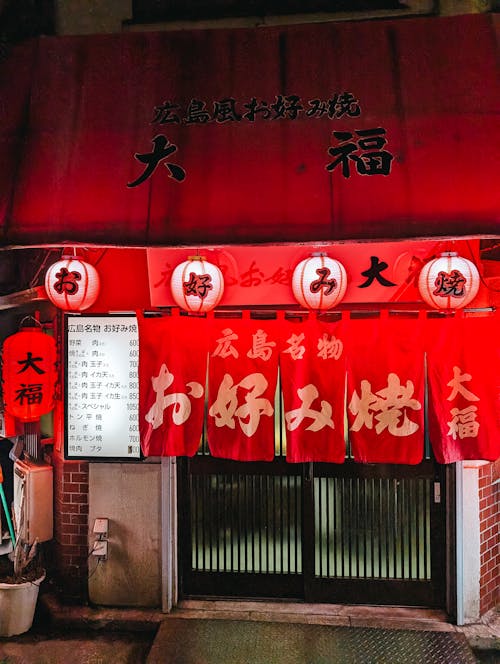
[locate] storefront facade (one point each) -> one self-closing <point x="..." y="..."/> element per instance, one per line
<point x="254" y="149"/>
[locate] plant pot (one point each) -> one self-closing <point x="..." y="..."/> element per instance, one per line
<point x="17" y="606"/>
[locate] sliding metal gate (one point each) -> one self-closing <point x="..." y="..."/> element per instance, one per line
<point x="351" y="533"/>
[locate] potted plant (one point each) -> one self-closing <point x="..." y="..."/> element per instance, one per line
<point x="21" y="574"/>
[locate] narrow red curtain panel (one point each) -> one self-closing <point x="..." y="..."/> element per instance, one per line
<point x="172" y="379"/>
<point x="464" y="387"/>
<point x="243" y="368"/>
<point x="313" y="366"/>
<point x="386" y="390"/>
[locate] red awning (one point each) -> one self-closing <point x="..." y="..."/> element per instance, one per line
<point x="358" y="130"/>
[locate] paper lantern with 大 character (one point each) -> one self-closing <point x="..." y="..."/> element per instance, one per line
<point x="319" y="282"/>
<point x="29" y="374"/>
<point x="448" y="282"/>
<point x="72" y="284"/>
<point x="197" y="285"/>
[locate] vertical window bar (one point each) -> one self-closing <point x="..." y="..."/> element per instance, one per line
<point x="200" y="521"/>
<point x="210" y="507"/>
<point x="298" y="530"/>
<point x="369" y="532"/>
<point x="230" y="523"/>
<point x="357" y="521"/>
<point x="217" y="523"/>
<point x="343" y="547"/>
<point x="388" y="522"/>
<point x="321" y="525"/>
<point x="194" y="534"/>
<point x="380" y="530"/>
<point x="288" y="527"/>
<point x="427" y="528"/>
<point x="349" y="525"/>
<point x="404" y="529"/>
<point x="326" y="538"/>
<point x="261" y="524"/>
<point x="338" y="527"/>
<point x="411" y="509"/>
<point x="276" y="523"/>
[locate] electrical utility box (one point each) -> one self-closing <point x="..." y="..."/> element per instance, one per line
<point x="33" y="498"/>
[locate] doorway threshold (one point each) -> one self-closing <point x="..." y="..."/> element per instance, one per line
<point x="386" y="617"/>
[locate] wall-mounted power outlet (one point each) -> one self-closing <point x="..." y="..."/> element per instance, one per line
<point x="101" y="528"/>
<point x="100" y="549"/>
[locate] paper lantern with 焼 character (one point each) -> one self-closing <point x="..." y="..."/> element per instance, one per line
<point x="448" y="282"/>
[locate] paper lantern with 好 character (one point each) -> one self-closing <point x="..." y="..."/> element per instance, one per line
<point x="197" y="285"/>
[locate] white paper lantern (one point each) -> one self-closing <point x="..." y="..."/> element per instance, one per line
<point x="319" y="282"/>
<point x="448" y="282"/>
<point x="72" y="284"/>
<point x="197" y="285"/>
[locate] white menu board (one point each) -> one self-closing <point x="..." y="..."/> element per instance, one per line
<point x="102" y="385"/>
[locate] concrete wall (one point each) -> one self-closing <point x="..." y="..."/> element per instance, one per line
<point x="83" y="17"/>
<point x="477" y="540"/>
<point x="129" y="496"/>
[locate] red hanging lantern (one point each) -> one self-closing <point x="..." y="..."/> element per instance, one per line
<point x="448" y="282"/>
<point x="319" y="282"/>
<point x="197" y="285"/>
<point x="29" y="374"/>
<point x="72" y="284"/>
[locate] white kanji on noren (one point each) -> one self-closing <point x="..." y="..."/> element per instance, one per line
<point x="463" y="424"/>
<point x="261" y="348"/>
<point x="225" y="347"/>
<point x="388" y="405"/>
<point x="296" y="349"/>
<point x="179" y="400"/>
<point x="329" y="347"/>
<point x="457" y="387"/>
<point x="320" y="419"/>
<point x="225" y="409"/>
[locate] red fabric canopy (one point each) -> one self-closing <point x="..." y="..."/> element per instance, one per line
<point x="324" y="131"/>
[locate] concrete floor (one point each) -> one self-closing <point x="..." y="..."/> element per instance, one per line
<point x="226" y="632"/>
<point x="240" y="642"/>
<point x="76" y="647"/>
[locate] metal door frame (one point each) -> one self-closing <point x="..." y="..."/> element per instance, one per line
<point x="388" y="591"/>
<point x="306" y="586"/>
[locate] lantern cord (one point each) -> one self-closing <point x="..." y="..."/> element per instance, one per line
<point x="32" y="319"/>
<point x="493" y="290"/>
<point x="42" y="267"/>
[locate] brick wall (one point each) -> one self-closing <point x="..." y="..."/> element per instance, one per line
<point x="70" y="546"/>
<point x="489" y="517"/>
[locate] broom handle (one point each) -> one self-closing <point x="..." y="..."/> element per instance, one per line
<point x="7" y="514"/>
